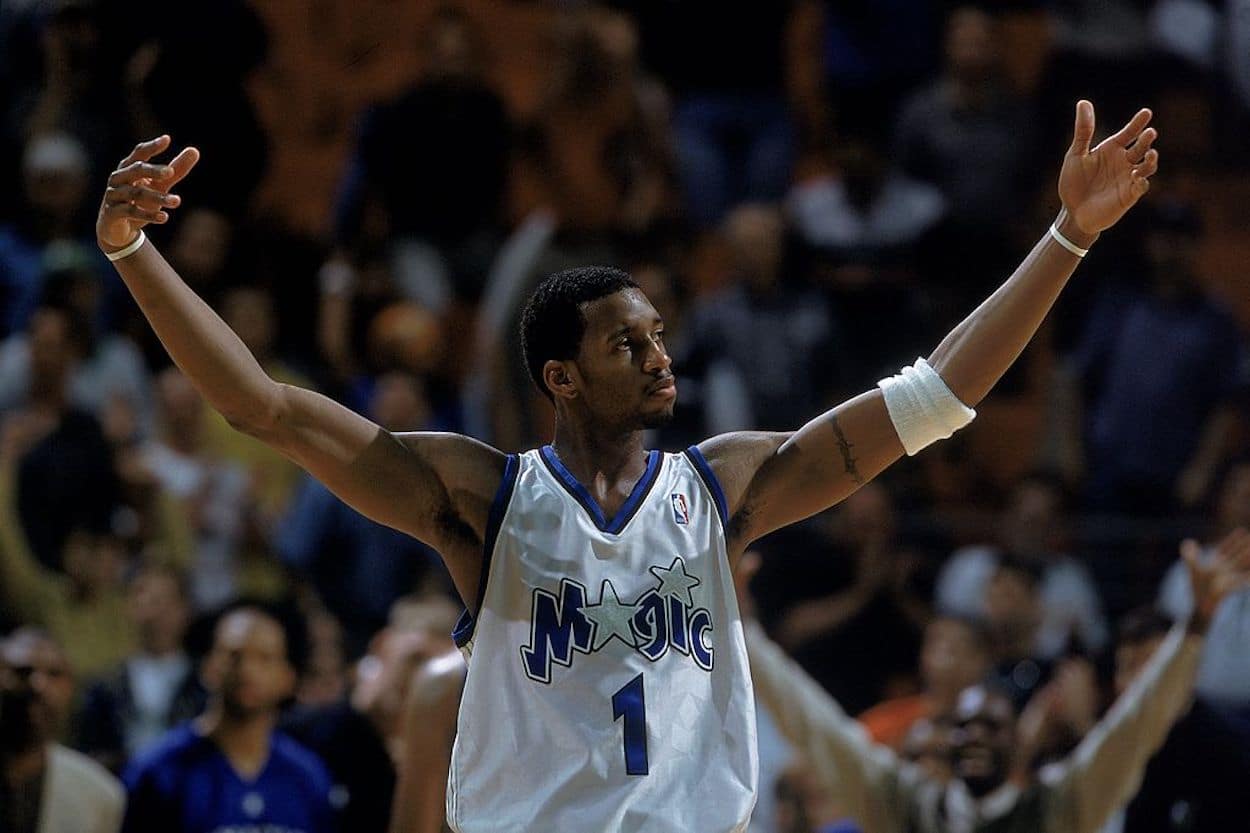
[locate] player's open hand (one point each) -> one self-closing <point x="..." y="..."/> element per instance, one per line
<point x="138" y="192"/>
<point x="1214" y="578"/>
<point x="1099" y="186"/>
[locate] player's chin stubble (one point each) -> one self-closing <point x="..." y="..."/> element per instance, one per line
<point x="657" y="420"/>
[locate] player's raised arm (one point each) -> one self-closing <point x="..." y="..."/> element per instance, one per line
<point x="434" y="487"/>
<point x="771" y="480"/>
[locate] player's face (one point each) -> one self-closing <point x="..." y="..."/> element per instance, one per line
<point x="982" y="732"/>
<point x="248" y="666"/>
<point x="623" y="367"/>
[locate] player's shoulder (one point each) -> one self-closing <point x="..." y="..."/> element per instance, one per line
<point x="463" y="463"/>
<point x="735" y="457"/>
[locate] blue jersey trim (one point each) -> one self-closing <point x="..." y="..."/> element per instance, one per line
<point x="713" y="485"/>
<point x="579" y="492"/>
<point x="467" y="622"/>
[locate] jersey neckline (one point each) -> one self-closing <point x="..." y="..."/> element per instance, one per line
<point x="582" y="495"/>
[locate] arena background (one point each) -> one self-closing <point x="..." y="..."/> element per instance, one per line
<point x="811" y="192"/>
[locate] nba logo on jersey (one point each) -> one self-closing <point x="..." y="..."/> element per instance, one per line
<point x="681" y="511"/>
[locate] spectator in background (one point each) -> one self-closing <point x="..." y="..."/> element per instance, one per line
<point x="110" y="373"/>
<point x="168" y="91"/>
<point x="361" y="735"/>
<point x="861" y="641"/>
<point x="1013" y="616"/>
<point x="45" y="787"/>
<point x="54" y="210"/>
<point x="1033" y="527"/>
<point x="229" y="769"/>
<point x="64" y="463"/>
<point x="1076" y="795"/>
<point x="157" y="687"/>
<point x="804" y="805"/>
<point x="872" y="54"/>
<point x="425" y="729"/>
<point x="213" y="493"/>
<point x="1224" y="676"/>
<point x="734" y="137"/>
<point x="1166" y="349"/>
<point x="446" y="140"/>
<point x="868" y="210"/>
<point x="970" y="136"/>
<point x="66" y="61"/>
<point x="779" y="340"/>
<point x="867" y="228"/>
<point x="357" y="566"/>
<point x="954" y="655"/>
<point x="596" y="153"/>
<point x="84" y="608"/>
<point x="1196" y="781"/>
<point x="927" y="745"/>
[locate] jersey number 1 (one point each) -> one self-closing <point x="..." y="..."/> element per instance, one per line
<point x="630" y="703"/>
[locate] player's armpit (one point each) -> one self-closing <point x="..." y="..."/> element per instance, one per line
<point x="435" y="487"/>
<point x="772" y="480"/>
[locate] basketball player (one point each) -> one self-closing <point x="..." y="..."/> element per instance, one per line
<point x="608" y="687"/>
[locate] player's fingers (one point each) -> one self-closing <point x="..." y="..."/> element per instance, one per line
<point x="1149" y="165"/>
<point x="147" y="215"/>
<point x="1128" y="134"/>
<point x="1138" y="151"/>
<point x="1083" y="130"/>
<point x="143" y="197"/>
<point x="136" y="171"/>
<point x="180" y="166"/>
<point x="146" y="150"/>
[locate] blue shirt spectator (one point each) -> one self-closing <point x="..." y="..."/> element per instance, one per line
<point x="359" y="567"/>
<point x="229" y="771"/>
<point x="186" y="784"/>
<point x="1166" y="351"/>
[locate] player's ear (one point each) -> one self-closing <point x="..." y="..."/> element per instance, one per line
<point x="559" y="379"/>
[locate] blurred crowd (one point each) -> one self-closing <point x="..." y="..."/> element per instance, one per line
<point x="811" y="191"/>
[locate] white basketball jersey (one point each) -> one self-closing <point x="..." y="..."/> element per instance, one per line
<point x="608" y="685"/>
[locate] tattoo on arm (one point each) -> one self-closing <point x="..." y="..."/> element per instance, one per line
<point x="848" y="459"/>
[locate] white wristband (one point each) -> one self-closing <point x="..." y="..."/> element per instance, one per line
<point x="1066" y="243"/>
<point x="131" y="248"/>
<point x="922" y="407"/>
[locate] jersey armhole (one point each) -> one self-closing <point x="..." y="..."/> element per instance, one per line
<point x="696" y="458"/>
<point x="467" y="622"/>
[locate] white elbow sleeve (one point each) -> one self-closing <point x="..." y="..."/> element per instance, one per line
<point x="922" y="407"/>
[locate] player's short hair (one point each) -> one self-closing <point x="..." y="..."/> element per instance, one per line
<point x="552" y="324"/>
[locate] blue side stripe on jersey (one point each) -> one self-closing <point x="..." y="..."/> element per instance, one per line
<point x="465" y="625"/>
<point x="579" y="492"/>
<point x="713" y="485"/>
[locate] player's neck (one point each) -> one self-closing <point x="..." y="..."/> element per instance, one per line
<point x="591" y="455"/>
<point x="243" y="739"/>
